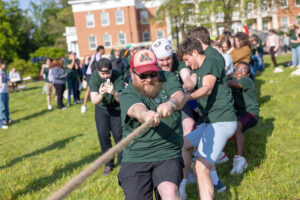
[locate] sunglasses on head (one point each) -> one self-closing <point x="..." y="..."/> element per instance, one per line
<point x="144" y="76"/>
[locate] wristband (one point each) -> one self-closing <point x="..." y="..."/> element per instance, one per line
<point x="173" y="103"/>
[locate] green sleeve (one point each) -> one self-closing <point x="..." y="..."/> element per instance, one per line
<point x="93" y="83"/>
<point x="172" y="85"/>
<point x="245" y="83"/>
<point x="210" y="67"/>
<point x="128" y="98"/>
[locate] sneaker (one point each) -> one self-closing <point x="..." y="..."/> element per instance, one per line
<point x="278" y="70"/>
<point x="220" y="187"/>
<point x="298" y="66"/>
<point x="107" y="170"/>
<point x="222" y="158"/>
<point x="182" y="193"/>
<point x="68" y="104"/>
<point x="4" y="127"/>
<point x="49" y="107"/>
<point x="83" y="109"/>
<point x="292" y="66"/>
<point x="239" y="165"/>
<point x="63" y="108"/>
<point x="79" y="101"/>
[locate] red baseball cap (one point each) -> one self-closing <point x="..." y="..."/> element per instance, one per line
<point x="144" y="61"/>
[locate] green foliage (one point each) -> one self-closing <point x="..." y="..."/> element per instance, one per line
<point x="52" y="52"/>
<point x="25" y="68"/>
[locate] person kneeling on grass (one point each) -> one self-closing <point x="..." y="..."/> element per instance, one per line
<point x="245" y="103"/>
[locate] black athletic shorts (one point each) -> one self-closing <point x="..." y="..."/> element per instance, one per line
<point x="88" y="77"/>
<point x="248" y="120"/>
<point x="139" y="180"/>
<point x="187" y="112"/>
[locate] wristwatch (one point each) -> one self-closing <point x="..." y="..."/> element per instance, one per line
<point x="173" y="103"/>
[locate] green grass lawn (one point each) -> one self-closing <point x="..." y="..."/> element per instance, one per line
<point x="42" y="150"/>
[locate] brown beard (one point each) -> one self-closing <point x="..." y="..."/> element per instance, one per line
<point x="139" y="86"/>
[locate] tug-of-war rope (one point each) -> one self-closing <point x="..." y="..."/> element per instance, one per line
<point x="92" y="168"/>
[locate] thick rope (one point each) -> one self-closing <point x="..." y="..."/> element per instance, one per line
<point x="107" y="156"/>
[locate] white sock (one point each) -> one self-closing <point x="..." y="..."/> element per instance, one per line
<point x="214" y="177"/>
<point x="183" y="185"/>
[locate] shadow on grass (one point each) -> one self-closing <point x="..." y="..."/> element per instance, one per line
<point x="56" y="175"/>
<point x="57" y="145"/>
<point x="254" y="152"/>
<point x="32" y="115"/>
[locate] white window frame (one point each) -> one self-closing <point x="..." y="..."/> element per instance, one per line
<point x="90" y="42"/>
<point x="146" y="32"/>
<point x="119" y="17"/>
<point x="109" y="40"/>
<point x="102" y="18"/>
<point x="144" y="19"/>
<point x="123" y="39"/>
<point x="281" y="20"/>
<point x="91" y="15"/>
<point x="157" y="34"/>
<point x="287" y="4"/>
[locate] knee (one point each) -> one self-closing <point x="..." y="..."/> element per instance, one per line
<point x="202" y="166"/>
<point x="168" y="191"/>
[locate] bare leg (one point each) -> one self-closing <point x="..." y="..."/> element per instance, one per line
<point x="187" y="150"/>
<point x="48" y="99"/>
<point x="86" y="95"/>
<point x="239" y="139"/>
<point x="205" y="186"/>
<point x="168" y="191"/>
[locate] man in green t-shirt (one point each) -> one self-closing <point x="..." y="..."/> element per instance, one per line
<point x="71" y="66"/>
<point x="105" y="87"/>
<point x="202" y="35"/>
<point x="216" y="104"/>
<point x="153" y="160"/>
<point x="245" y="103"/>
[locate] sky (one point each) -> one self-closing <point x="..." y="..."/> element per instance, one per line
<point x="24" y="4"/>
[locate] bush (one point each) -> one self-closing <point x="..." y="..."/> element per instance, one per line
<point x="25" y="68"/>
<point x="52" y="52"/>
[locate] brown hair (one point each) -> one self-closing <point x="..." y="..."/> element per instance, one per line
<point x="227" y="41"/>
<point x="243" y="38"/>
<point x="57" y="63"/>
<point x="200" y="33"/>
<point x="187" y="47"/>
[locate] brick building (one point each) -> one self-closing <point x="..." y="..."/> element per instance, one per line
<point x="112" y="23"/>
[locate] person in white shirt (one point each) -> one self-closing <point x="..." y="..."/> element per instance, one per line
<point x="15" y="78"/>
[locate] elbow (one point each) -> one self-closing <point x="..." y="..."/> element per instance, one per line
<point x="209" y="92"/>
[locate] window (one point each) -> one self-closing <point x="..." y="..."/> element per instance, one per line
<point x="283" y="3"/>
<point x="122" y="38"/>
<point x="266" y="25"/>
<point x="119" y="17"/>
<point x="107" y="41"/>
<point x="104" y="18"/>
<point x="90" y="20"/>
<point x="92" y="42"/>
<point x="146" y="36"/>
<point x="264" y="6"/>
<point x="284" y="22"/>
<point x="297" y="2"/>
<point x="160" y="34"/>
<point x="144" y="17"/>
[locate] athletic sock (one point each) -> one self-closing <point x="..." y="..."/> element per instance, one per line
<point x="214" y="177"/>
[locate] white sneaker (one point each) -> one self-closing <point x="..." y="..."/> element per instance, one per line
<point x="278" y="70"/>
<point x="298" y="66"/>
<point x="239" y="165"/>
<point x="83" y="109"/>
<point x="182" y="193"/>
<point x="4" y="127"/>
<point x="222" y="158"/>
<point x="296" y="72"/>
<point x="49" y="107"/>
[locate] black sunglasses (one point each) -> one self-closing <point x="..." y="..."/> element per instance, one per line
<point x="144" y="76"/>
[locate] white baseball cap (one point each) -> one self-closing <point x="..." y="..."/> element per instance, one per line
<point x="162" y="48"/>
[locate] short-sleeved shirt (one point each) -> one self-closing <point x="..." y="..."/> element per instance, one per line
<point x="245" y="99"/>
<point x="71" y="73"/>
<point x="293" y="37"/>
<point x="108" y="99"/>
<point x="154" y="144"/>
<point x="217" y="107"/>
<point x="46" y="72"/>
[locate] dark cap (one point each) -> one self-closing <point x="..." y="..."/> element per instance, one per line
<point x="103" y="63"/>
